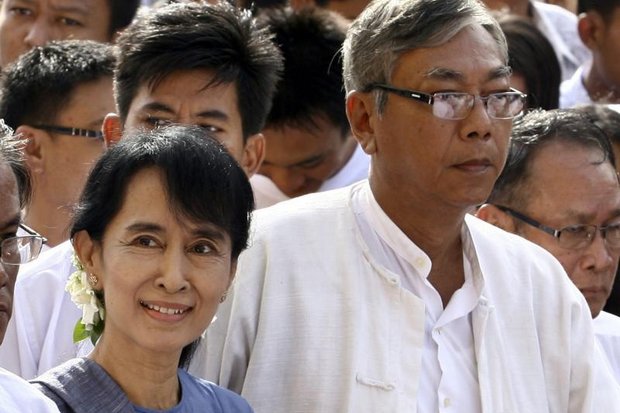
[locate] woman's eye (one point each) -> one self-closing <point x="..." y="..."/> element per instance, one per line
<point x="201" y="248"/>
<point x="146" y="242"/>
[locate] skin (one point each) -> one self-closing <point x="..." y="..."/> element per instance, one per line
<point x="299" y="160"/>
<point x="9" y="221"/>
<point x="151" y="256"/>
<point x="571" y="186"/>
<point x="25" y="24"/>
<point x="602" y="79"/>
<point x="60" y="164"/>
<point x="439" y="168"/>
<point x="182" y="98"/>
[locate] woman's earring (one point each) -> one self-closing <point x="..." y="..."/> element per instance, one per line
<point x="92" y="280"/>
<point x="223" y="297"/>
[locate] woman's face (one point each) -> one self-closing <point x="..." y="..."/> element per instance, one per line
<point x="162" y="275"/>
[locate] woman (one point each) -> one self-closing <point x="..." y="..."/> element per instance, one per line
<point x="160" y="224"/>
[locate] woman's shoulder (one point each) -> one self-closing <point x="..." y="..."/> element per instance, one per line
<point x="199" y="391"/>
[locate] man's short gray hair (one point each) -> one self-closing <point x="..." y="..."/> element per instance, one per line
<point x="388" y="28"/>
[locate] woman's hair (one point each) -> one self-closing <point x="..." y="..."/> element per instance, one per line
<point x="202" y="180"/>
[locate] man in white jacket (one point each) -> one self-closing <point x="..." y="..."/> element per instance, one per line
<point x="386" y="296"/>
<point x="559" y="189"/>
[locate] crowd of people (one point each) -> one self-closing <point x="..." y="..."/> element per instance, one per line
<point x="309" y="206"/>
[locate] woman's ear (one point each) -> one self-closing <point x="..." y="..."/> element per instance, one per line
<point x="88" y="252"/>
<point x="493" y="215"/>
<point x="361" y="113"/>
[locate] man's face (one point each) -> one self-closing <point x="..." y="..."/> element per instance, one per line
<point x="25" y="24"/>
<point x="9" y="221"/>
<point x="608" y="49"/>
<point x="438" y="162"/>
<point x="182" y="97"/>
<point x="299" y="160"/>
<point x="67" y="159"/>
<point x="570" y="186"/>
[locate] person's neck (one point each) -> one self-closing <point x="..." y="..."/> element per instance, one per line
<point x="148" y="380"/>
<point x="52" y="223"/>
<point x="598" y="89"/>
<point x="436" y="229"/>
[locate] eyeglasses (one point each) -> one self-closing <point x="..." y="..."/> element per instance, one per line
<point x="573" y="236"/>
<point x="23" y="249"/>
<point x="457" y="105"/>
<point x="62" y="130"/>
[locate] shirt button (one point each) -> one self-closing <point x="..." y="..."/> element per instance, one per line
<point x="446" y="402"/>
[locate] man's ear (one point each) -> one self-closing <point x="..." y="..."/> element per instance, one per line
<point x="493" y="215"/>
<point x="589" y="28"/>
<point x="88" y="252"/>
<point x="253" y="154"/>
<point x="362" y="115"/>
<point x="112" y="129"/>
<point x="34" y="150"/>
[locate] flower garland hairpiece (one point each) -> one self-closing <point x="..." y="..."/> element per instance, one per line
<point x="89" y="301"/>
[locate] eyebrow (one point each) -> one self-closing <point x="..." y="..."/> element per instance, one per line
<point x="311" y="159"/>
<point x="207" y="231"/>
<point x="442" y="73"/>
<point x="208" y="114"/>
<point x="78" y="7"/>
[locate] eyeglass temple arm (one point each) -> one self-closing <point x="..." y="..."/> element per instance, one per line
<point x="530" y="221"/>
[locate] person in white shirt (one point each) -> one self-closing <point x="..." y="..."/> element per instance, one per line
<point x="559" y="189"/>
<point x="386" y="296"/>
<point x="598" y="80"/>
<point x="309" y="145"/>
<point x="16" y="395"/>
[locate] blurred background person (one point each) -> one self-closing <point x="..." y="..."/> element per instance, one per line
<point x="535" y="67"/>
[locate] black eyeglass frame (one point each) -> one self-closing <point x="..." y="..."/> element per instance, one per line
<point x="429" y="99"/>
<point x="31" y="234"/>
<point x="69" y="131"/>
<point x="551" y="231"/>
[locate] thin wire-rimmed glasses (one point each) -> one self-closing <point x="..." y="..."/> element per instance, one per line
<point x="573" y="236"/>
<point x="458" y="105"/>
<point x="65" y="130"/>
<point x="22" y="249"/>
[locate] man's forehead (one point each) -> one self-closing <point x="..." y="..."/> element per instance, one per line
<point x="78" y="6"/>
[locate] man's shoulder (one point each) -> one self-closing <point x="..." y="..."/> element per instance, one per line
<point x="17" y="395"/>
<point x="53" y="265"/>
<point x="607" y="324"/>
<point x="554" y="12"/>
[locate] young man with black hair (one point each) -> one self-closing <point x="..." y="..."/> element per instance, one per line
<point x="56" y="97"/>
<point x="207" y="65"/>
<point x="25" y="24"/>
<point x="310" y="147"/>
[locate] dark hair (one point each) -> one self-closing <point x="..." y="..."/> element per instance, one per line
<point x="36" y="87"/>
<point x="533" y="132"/>
<point x="122" y="13"/>
<point x="12" y="152"/>
<point x="603" y="7"/>
<point x="187" y="36"/>
<point x="311" y="84"/>
<point x="605" y="118"/>
<point x="531" y="55"/>
<point x="202" y="180"/>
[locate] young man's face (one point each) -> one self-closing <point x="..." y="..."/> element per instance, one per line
<point x="183" y="98"/>
<point x="25" y="24"/>
<point x="608" y="50"/>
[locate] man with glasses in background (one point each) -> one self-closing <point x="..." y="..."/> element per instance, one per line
<point x="560" y="190"/>
<point x="56" y="97"/>
<point x="386" y="296"/>
<point x="16" y="395"/>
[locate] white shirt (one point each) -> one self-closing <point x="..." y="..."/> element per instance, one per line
<point x="267" y="193"/>
<point x="572" y="91"/>
<point x="316" y="323"/>
<point x="39" y="335"/>
<point x="19" y="396"/>
<point x="449" y="369"/>
<point x="607" y="333"/>
<point x="560" y="27"/>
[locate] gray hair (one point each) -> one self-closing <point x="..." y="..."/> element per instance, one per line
<point x="12" y="152"/>
<point x="388" y="28"/>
